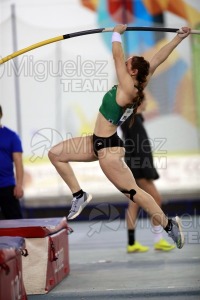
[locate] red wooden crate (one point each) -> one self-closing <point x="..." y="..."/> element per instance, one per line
<point x="47" y="262"/>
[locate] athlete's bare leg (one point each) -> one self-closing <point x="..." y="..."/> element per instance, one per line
<point x="112" y="163"/>
<point x="149" y="187"/>
<point x="78" y="149"/>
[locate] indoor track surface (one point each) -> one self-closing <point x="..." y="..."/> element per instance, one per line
<point x="100" y="268"/>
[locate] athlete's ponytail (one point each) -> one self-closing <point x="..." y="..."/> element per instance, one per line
<point x="139" y="63"/>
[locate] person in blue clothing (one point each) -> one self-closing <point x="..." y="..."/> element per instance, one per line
<point x="11" y="172"/>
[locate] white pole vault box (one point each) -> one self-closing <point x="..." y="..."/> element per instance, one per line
<point x="11" y="275"/>
<point x="47" y="262"/>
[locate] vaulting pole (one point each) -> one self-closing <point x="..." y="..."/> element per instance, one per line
<point x="86" y="32"/>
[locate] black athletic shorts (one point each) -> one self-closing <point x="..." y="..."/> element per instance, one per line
<point x="106" y="142"/>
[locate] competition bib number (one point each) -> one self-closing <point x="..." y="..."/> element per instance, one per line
<point x="125" y="115"/>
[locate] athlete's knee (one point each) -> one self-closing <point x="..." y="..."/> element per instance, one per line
<point x="53" y="157"/>
<point x="131" y="192"/>
<point x="50" y="156"/>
